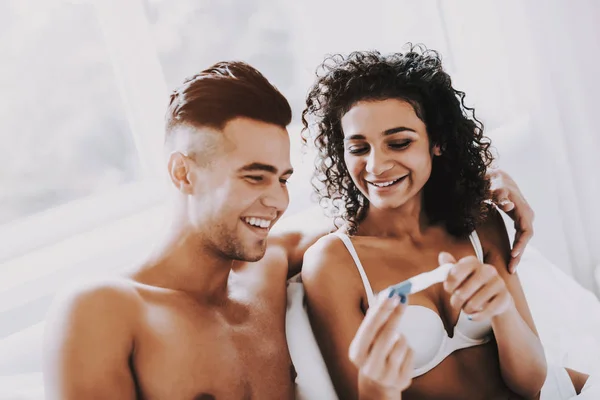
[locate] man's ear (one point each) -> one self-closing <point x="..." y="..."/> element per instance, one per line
<point x="179" y="171"/>
<point x="437" y="150"/>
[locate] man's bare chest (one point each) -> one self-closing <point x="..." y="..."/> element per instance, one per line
<point x="186" y="352"/>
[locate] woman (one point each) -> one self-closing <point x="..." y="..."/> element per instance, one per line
<point x="404" y="160"/>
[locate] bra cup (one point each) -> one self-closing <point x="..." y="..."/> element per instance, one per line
<point x="473" y="330"/>
<point x="426" y="335"/>
<point x="424" y="332"/>
<point x="423" y="327"/>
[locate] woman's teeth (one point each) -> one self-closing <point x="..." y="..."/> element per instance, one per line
<point x="258" y="222"/>
<point x="384" y="184"/>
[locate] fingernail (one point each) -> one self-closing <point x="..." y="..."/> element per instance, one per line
<point x="515" y="254"/>
<point x="403" y="299"/>
<point x="469" y="317"/>
<point x="391" y="293"/>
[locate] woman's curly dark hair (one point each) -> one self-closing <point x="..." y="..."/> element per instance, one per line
<point x="456" y="191"/>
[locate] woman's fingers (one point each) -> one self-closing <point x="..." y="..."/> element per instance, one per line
<point x="495" y="306"/>
<point x="481" y="275"/>
<point x="446" y="258"/>
<point x="460" y="272"/>
<point x="399" y="365"/>
<point x="373" y="322"/>
<point x="405" y="373"/>
<point x="483" y="296"/>
<point x="397" y="354"/>
<point x="522" y="237"/>
<point x="378" y="350"/>
<point x="377" y="367"/>
<point x="507" y="195"/>
<point x="375" y="364"/>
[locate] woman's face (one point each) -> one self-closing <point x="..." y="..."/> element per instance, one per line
<point x="387" y="151"/>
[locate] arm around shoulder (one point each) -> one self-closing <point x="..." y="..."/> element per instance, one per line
<point x="88" y="343"/>
<point x="298" y="232"/>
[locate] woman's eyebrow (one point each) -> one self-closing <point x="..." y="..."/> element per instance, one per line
<point x="398" y="129"/>
<point x="387" y="132"/>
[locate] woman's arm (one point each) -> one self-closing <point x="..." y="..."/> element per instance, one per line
<point x="522" y="359"/>
<point x="489" y="291"/>
<point x="365" y="356"/>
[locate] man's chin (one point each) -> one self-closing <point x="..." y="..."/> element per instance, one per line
<point x="255" y="254"/>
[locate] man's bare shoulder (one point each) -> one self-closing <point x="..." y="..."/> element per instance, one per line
<point x="89" y="337"/>
<point x="269" y="273"/>
<point x="107" y="300"/>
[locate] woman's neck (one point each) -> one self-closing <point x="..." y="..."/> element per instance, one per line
<point x="409" y="220"/>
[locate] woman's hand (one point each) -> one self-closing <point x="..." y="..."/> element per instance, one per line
<point x="381" y="354"/>
<point x="476" y="288"/>
<point x="507" y="196"/>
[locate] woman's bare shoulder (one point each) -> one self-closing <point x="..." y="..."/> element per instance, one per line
<point x="328" y="258"/>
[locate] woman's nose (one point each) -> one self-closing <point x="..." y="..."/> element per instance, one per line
<point x="378" y="163"/>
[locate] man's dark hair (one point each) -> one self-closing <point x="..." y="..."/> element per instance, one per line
<point x="226" y="90"/>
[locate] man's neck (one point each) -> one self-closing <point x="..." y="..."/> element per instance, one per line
<point x="184" y="262"/>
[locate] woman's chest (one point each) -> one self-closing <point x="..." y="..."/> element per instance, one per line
<point x="387" y="262"/>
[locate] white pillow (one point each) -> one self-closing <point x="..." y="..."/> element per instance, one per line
<point x="567" y="316"/>
<point x="22" y="387"/>
<point x="313" y="380"/>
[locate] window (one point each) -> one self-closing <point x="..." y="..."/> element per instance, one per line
<point x="69" y="159"/>
<point x="64" y="131"/>
<point x="191" y="35"/>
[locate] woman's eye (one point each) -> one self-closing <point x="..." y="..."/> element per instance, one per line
<point x="357" y="149"/>
<point x="283" y="181"/>
<point x="400" y="145"/>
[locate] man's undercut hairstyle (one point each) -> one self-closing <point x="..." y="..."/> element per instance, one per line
<point x="225" y="91"/>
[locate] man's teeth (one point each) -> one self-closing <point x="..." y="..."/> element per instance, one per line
<point x="384" y="184"/>
<point x="261" y="223"/>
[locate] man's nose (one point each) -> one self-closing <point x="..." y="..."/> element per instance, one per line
<point x="277" y="198"/>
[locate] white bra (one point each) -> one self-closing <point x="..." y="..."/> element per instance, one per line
<point x="423" y="327"/>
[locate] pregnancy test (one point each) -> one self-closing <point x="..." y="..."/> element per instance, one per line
<point x="421" y="281"/>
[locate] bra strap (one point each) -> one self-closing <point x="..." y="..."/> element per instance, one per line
<point x="348" y="243"/>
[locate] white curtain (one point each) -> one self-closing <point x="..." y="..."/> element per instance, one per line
<point x="530" y="70"/>
<point x="533" y="70"/>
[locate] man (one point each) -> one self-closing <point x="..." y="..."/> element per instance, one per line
<point x="204" y="316"/>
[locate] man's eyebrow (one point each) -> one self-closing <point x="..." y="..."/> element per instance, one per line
<point x="265" y="168"/>
<point x="387" y="132"/>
